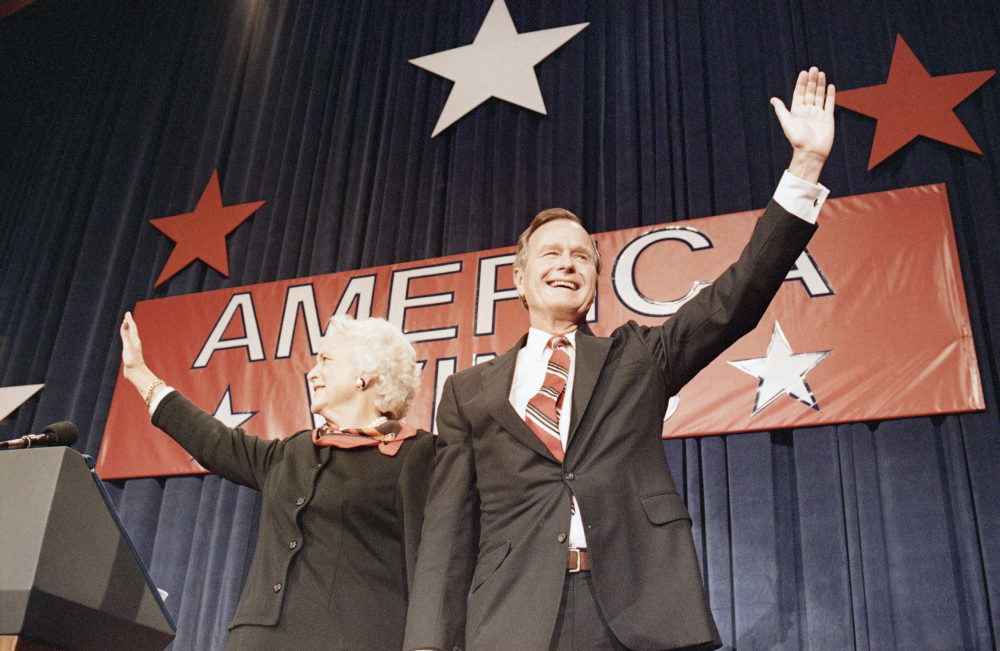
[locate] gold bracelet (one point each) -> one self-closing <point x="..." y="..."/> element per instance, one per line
<point x="149" y="391"/>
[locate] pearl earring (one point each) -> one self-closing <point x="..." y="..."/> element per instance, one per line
<point x="360" y="384"/>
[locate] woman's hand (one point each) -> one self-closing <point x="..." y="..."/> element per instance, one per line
<point x="133" y="365"/>
<point x="131" y="344"/>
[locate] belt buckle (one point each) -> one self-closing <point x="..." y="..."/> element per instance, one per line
<point x="573" y="551"/>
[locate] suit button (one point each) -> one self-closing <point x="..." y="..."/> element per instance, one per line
<point x="561" y="538"/>
<point x="293" y="545"/>
<point x="277" y="587"/>
<point x="569" y="476"/>
<point x="300" y="501"/>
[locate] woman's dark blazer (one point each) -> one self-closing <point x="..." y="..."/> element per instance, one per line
<point x="338" y="533"/>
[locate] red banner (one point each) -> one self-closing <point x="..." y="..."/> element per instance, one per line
<point x="871" y="324"/>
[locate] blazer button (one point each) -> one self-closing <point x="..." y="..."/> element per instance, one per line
<point x="300" y="501"/>
<point x="293" y="544"/>
<point x="561" y="538"/>
<point x="569" y="476"/>
<point x="277" y="587"/>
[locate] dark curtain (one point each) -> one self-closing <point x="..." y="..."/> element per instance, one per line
<point x="875" y="535"/>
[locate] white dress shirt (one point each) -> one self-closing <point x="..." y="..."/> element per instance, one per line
<point x="529" y="374"/>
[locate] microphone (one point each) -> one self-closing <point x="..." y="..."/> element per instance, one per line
<point x="61" y="433"/>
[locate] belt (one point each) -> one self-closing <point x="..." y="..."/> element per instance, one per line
<point x="577" y="561"/>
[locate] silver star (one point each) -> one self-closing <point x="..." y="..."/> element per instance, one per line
<point x="499" y="63"/>
<point x="782" y="372"/>
<point x="13" y="397"/>
<point x="225" y="414"/>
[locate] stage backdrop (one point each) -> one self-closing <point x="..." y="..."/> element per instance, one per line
<point x="858" y="296"/>
<point x="881" y="534"/>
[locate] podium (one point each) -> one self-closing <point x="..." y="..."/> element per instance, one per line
<point x="69" y="575"/>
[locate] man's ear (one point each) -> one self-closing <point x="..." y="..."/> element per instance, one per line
<point x="519" y="286"/>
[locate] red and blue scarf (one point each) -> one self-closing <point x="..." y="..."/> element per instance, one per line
<point x="388" y="436"/>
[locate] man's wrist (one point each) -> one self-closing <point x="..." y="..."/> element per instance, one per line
<point x="806" y="166"/>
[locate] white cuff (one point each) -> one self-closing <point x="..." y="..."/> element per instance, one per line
<point x="161" y="393"/>
<point x="801" y="198"/>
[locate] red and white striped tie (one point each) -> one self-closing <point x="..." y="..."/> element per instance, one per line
<point x="543" y="410"/>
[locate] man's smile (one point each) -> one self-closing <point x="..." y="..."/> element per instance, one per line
<point x="568" y="284"/>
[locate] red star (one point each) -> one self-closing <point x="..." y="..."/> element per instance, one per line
<point x="202" y="234"/>
<point x="912" y="103"/>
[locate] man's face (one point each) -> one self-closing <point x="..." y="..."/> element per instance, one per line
<point x="559" y="277"/>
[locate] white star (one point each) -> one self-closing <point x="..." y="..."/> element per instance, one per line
<point x="224" y="412"/>
<point x="499" y="63"/>
<point x="782" y="372"/>
<point x="13" y="397"/>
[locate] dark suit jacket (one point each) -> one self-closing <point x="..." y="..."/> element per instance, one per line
<point x="493" y="556"/>
<point x="338" y="534"/>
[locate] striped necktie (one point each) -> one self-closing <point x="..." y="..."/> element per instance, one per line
<point x="542" y="412"/>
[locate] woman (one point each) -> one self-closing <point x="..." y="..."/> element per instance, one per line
<point x="341" y="505"/>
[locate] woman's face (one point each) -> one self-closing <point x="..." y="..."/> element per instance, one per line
<point x="334" y="383"/>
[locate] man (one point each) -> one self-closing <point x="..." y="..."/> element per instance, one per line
<point x="570" y="534"/>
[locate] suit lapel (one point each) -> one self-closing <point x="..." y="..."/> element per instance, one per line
<point x="591" y="352"/>
<point x="497" y="378"/>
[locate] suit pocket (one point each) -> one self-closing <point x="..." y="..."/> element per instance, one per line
<point x="662" y="508"/>
<point x="489" y="562"/>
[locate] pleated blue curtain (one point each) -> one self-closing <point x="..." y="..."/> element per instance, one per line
<point x="868" y="535"/>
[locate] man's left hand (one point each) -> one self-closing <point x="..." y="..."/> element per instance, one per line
<point x="808" y="124"/>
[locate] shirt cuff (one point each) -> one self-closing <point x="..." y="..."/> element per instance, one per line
<point x="161" y="393"/>
<point x="801" y="198"/>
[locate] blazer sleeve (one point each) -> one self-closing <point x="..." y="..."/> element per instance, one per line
<point x="450" y="537"/>
<point x="414" y="482"/>
<point x="733" y="304"/>
<point x="228" y="452"/>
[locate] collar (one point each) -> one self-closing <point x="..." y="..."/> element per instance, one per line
<point x="538" y="339"/>
<point x="388" y="436"/>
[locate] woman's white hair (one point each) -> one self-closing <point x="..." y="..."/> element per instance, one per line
<point x="383" y="357"/>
